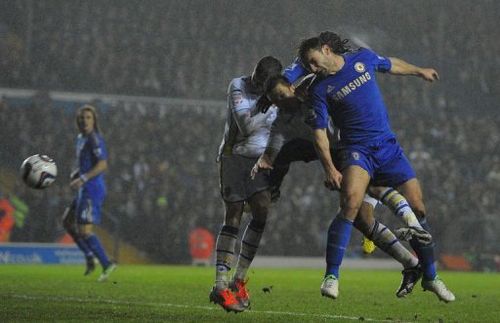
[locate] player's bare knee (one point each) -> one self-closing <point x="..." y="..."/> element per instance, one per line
<point x="351" y="206"/>
<point x="85" y="230"/>
<point x="233" y="214"/>
<point x="232" y="222"/>
<point x="260" y="203"/>
<point x="82" y="233"/>
<point x="350" y="213"/>
<point x="376" y="191"/>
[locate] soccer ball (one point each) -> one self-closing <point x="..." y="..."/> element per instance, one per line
<point x="38" y="171"/>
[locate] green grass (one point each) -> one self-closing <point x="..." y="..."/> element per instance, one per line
<point x="180" y="294"/>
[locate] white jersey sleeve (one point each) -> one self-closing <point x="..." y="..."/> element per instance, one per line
<point x="243" y="109"/>
<point x="247" y="130"/>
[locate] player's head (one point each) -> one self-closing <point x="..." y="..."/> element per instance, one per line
<point x="86" y="119"/>
<point x="317" y="53"/>
<point x="281" y="93"/>
<point x="267" y="67"/>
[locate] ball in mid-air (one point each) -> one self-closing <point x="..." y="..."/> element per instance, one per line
<point x="38" y="171"/>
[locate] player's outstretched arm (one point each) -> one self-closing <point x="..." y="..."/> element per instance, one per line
<point x="333" y="176"/>
<point x="400" y="67"/>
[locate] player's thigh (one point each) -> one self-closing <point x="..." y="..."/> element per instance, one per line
<point x="231" y="184"/>
<point x="236" y="183"/>
<point x="85" y="230"/>
<point x="355" y="180"/>
<point x="259" y="204"/>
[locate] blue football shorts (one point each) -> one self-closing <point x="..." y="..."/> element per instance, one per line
<point x="88" y="208"/>
<point x="384" y="161"/>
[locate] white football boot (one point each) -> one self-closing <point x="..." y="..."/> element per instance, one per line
<point x="438" y="287"/>
<point x="330" y="287"/>
<point x="106" y="272"/>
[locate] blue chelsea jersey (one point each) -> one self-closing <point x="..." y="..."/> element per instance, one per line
<point x="353" y="99"/>
<point x="89" y="150"/>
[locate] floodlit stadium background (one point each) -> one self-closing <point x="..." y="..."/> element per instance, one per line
<point x="158" y="72"/>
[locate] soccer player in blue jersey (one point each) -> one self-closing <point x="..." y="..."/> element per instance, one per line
<point x="88" y="181"/>
<point x="346" y="89"/>
<point x="291" y="140"/>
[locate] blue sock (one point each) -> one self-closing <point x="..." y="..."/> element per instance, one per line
<point x="98" y="250"/>
<point x="339" y="234"/>
<point x="84" y="247"/>
<point x="425" y="254"/>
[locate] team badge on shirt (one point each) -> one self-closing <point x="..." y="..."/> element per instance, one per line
<point x="237" y="97"/>
<point x="359" y="67"/>
<point x="330" y="88"/>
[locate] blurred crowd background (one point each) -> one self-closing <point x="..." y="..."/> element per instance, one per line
<point x="163" y="179"/>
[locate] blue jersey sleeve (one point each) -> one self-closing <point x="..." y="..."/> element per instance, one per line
<point x="98" y="147"/>
<point x="380" y="63"/>
<point x="295" y="71"/>
<point x="320" y="106"/>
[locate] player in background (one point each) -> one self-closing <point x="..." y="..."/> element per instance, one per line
<point x="245" y="137"/>
<point x="291" y="140"/>
<point x="346" y="89"/>
<point x="88" y="181"/>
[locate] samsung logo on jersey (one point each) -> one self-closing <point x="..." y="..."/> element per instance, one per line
<point x="351" y="86"/>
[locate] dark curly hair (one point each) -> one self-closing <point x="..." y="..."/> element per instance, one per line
<point x="333" y="40"/>
<point x="267" y="67"/>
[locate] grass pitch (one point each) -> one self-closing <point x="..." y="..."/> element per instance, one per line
<point x="36" y="293"/>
